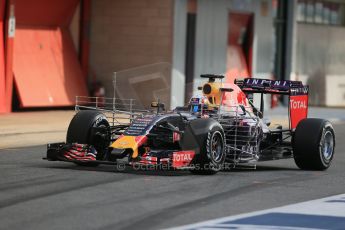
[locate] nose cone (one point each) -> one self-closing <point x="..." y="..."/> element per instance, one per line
<point x="129" y="142"/>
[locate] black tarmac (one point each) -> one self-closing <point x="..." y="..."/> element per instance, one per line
<point x="37" y="194"/>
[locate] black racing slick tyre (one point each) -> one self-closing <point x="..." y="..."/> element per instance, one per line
<point x="313" y="144"/>
<point x="212" y="154"/>
<point x="90" y="127"/>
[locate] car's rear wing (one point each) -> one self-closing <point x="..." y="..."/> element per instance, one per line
<point x="297" y="92"/>
<point x="255" y="85"/>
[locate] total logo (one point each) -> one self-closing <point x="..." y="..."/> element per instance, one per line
<point x="183" y="156"/>
<point x="298" y="104"/>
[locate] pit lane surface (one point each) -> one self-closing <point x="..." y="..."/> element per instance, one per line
<point x="36" y="194"/>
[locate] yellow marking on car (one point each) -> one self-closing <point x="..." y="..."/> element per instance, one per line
<point x="127" y="142"/>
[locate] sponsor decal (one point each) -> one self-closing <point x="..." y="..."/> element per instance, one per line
<point x="296" y="87"/>
<point x="298" y="104"/>
<point x="139" y="125"/>
<point x="182" y="158"/>
<point x="176" y="136"/>
<point x="298" y="109"/>
<point x="124" y="143"/>
<point x="300" y="91"/>
<point x="99" y="119"/>
<point x="264" y="82"/>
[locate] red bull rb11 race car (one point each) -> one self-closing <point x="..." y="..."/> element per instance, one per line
<point x="219" y="128"/>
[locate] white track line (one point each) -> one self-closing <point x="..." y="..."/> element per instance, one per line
<point x="326" y="213"/>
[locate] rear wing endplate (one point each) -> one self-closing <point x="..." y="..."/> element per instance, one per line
<point x="297" y="92"/>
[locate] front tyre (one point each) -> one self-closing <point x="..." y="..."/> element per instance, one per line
<point x="92" y="128"/>
<point x="314" y="144"/>
<point x="212" y="155"/>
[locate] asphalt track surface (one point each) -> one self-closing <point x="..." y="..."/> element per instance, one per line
<point x="36" y="194"/>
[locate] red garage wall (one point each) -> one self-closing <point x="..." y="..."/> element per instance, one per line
<point x="2" y="59"/>
<point x="45" y="13"/>
<point x="46" y="68"/>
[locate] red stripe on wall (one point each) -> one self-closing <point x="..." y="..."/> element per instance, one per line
<point x="85" y="14"/>
<point x="2" y="59"/>
<point x="9" y="36"/>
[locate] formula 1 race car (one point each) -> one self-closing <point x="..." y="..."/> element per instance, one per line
<point x="219" y="128"/>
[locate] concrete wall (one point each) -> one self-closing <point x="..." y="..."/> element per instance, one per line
<point x="129" y="33"/>
<point x="179" y="54"/>
<point x="320" y="62"/>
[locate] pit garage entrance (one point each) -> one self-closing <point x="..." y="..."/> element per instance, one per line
<point x="46" y="67"/>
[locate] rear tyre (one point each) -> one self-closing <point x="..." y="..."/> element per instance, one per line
<point x="313" y="144"/>
<point x="92" y="128"/>
<point x="212" y="155"/>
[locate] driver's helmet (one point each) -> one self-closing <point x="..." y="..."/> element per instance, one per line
<point x="198" y="104"/>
